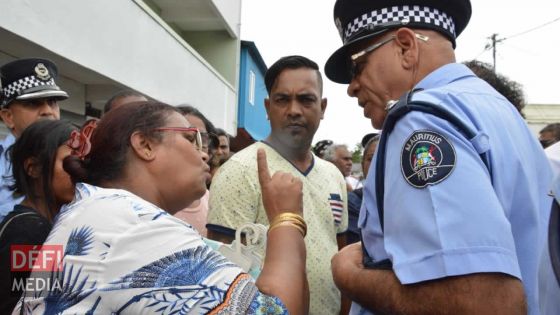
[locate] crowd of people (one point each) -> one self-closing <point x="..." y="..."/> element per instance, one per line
<point x="451" y="215"/>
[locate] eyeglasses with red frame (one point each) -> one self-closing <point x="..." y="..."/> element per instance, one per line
<point x="195" y="139"/>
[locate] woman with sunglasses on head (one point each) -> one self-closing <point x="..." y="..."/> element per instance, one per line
<point x="38" y="176"/>
<point x="125" y="252"/>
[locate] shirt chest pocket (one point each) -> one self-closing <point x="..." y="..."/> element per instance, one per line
<point x="337" y="208"/>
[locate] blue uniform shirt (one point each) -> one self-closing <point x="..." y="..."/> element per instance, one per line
<point x="549" y="289"/>
<point x="468" y="221"/>
<point x="354" y="205"/>
<point x="7" y="201"/>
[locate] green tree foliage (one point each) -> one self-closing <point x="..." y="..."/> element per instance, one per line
<point x="357" y="153"/>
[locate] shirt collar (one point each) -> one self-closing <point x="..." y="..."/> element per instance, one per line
<point x="444" y="75"/>
<point x="304" y="173"/>
<point x="83" y="191"/>
<point x="5" y="144"/>
<point x="8" y="141"/>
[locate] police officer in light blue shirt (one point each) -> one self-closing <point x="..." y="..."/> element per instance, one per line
<point x="454" y="203"/>
<point x="7" y="201"/>
<point x="28" y="93"/>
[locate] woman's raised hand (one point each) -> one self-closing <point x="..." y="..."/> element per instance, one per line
<point x="281" y="192"/>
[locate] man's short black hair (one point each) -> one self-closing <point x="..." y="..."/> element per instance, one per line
<point x="290" y="62"/>
<point x="191" y="110"/>
<point x="222" y="132"/>
<point x="120" y="94"/>
<point x="210" y="128"/>
<point x="553" y="128"/>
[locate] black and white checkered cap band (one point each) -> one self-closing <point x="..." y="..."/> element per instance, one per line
<point x="415" y="14"/>
<point x="16" y="87"/>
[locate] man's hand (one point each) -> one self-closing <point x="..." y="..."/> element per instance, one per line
<point x="381" y="292"/>
<point x="345" y="264"/>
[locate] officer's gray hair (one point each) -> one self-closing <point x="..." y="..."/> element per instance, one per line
<point x="330" y="151"/>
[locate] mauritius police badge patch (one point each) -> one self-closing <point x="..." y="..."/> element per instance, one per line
<point x="427" y="158"/>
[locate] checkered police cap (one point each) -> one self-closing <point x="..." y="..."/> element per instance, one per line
<point x="404" y="14"/>
<point x="358" y="20"/>
<point x="26" y="79"/>
<point x="321" y="146"/>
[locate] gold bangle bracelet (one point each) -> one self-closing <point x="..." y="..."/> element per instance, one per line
<point x="290" y="224"/>
<point x="300" y="224"/>
<point x="291" y="219"/>
<point x="288" y="216"/>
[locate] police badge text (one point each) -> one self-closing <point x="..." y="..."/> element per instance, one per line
<point x="427" y="158"/>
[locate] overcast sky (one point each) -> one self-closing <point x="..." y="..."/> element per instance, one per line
<point x="305" y="27"/>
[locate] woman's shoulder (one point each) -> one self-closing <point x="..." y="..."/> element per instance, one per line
<point x="21" y="212"/>
<point x="24" y="225"/>
<point x="22" y="215"/>
<point x="111" y="210"/>
<point x="115" y="201"/>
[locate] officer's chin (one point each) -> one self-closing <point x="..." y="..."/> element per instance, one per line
<point x="377" y="122"/>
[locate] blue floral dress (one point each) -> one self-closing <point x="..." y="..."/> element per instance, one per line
<point x="124" y="255"/>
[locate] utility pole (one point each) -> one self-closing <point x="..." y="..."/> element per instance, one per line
<point x="495" y="41"/>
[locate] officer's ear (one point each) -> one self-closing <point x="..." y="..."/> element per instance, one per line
<point x="7" y="117"/>
<point x="408" y="43"/>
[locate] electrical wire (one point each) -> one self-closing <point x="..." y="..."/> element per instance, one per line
<point x="486" y="48"/>
<point x="531" y="29"/>
<point x="501" y="40"/>
<point x="522" y="49"/>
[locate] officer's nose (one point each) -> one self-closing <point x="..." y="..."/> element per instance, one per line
<point x="47" y="108"/>
<point x="353" y="88"/>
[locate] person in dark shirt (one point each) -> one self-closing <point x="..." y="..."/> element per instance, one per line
<point x="369" y="143"/>
<point x="38" y="176"/>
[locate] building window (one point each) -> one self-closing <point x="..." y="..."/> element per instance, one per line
<point x="252" y="79"/>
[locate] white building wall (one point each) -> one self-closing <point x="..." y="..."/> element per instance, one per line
<point x="540" y="115"/>
<point x="77" y="95"/>
<point x="125" y="42"/>
<point x="230" y="11"/>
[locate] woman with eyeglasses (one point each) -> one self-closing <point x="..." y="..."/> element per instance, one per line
<point x="125" y="253"/>
<point x="39" y="177"/>
<point x="196" y="214"/>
